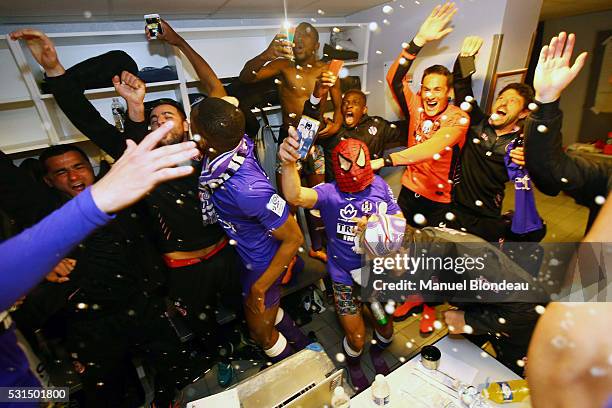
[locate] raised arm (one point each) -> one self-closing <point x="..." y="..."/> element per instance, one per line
<point x="290" y="178"/>
<point x="331" y="128"/>
<point x="212" y="86"/>
<point x="550" y="168"/>
<point x="275" y="56"/>
<point x="67" y="87"/>
<point x="463" y="85"/>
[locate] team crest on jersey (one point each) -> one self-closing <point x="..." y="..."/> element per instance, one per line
<point x="348" y="212"/>
<point x="367" y="207"/>
<point x="373" y="130"/>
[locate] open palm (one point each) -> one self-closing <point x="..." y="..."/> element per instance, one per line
<point x="433" y="28"/>
<point x="554" y="73"/>
<point x="41" y="47"/>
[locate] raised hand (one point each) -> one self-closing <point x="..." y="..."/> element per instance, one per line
<point x="288" y="150"/>
<point x="433" y="28"/>
<point x="42" y="49"/>
<point x="168" y="34"/>
<point x="130" y="87"/>
<point x="325" y="81"/>
<point x="471" y="45"/>
<point x="140" y="169"/>
<point x="554" y="73"/>
<point x="280" y="47"/>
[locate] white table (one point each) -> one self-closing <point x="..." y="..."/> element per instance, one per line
<point x="457" y="347"/>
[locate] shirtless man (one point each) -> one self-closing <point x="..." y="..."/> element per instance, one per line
<point x="297" y="65"/>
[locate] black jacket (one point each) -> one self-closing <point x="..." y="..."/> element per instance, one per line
<point x="483" y="170"/>
<point x="553" y="171"/>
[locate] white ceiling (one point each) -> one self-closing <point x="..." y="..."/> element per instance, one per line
<point x="87" y="10"/>
<point x="33" y="11"/>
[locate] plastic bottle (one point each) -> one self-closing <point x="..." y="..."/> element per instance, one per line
<point x="381" y="393"/>
<point x="340" y="399"/>
<point x="378" y="312"/>
<point x="507" y="391"/>
<point x="117" y="110"/>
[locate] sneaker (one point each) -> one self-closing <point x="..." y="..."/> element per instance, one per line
<point x="427" y="319"/>
<point x="225" y="374"/>
<point x="402" y="312"/>
<point x="320" y="255"/>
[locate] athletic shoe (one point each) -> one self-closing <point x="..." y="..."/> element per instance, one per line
<point x="427" y="319"/>
<point x="402" y="311"/>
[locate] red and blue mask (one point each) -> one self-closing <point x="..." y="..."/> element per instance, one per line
<point x="351" y="161"/>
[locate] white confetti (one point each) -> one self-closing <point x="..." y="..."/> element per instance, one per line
<point x="409" y="344"/>
<point x="373" y="26"/>
<point x="196" y="138"/>
<point x="465" y="106"/>
<point x="339" y="47"/>
<point x="336" y="30"/>
<point x="321" y="12"/>
<point x="600" y="200"/>
<point x="436" y="156"/>
<point x="476" y="140"/>
<point x="87" y="14"/>
<point x="469" y="98"/>
<point x="403" y="61"/>
<point x="379" y="52"/>
<point x="494" y="116"/>
<point x="478" y="203"/>
<point x="343" y="73"/>
<point x="501" y="320"/>
<point x="340" y="357"/>
<point x="390" y="308"/>
<point x="82" y="306"/>
<point x="437" y="325"/>
<point x="468" y="329"/>
<point x="440" y="185"/>
<point x="449" y="216"/>
<point x="298" y="76"/>
<point x="520" y="363"/>
<point x="405" y="45"/>
<point x="232" y="242"/>
<point x="484" y="354"/>
<point x="386" y="22"/>
<point x="277" y="81"/>
<point x="402" y="359"/>
<point x="292" y="115"/>
<point x="314" y="20"/>
<point x="540" y="309"/>
<point x="387" y="9"/>
<point x="419" y="219"/>
<point x="542" y="129"/>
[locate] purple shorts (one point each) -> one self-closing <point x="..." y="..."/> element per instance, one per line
<point x="248" y="278"/>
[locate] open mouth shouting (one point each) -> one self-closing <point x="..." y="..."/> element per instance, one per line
<point x="349" y="118"/>
<point x="78" y="187"/>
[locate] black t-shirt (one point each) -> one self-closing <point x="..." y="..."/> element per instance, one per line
<point x="483" y="170"/>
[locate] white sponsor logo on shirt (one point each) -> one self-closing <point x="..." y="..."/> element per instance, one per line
<point x="276" y="205"/>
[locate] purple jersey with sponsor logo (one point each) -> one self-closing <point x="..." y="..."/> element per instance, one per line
<point x="337" y="209"/>
<point x="249" y="208"/>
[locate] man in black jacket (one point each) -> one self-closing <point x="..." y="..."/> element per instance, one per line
<point x="552" y="170"/>
<point x="480" y="191"/>
<point x="201" y="263"/>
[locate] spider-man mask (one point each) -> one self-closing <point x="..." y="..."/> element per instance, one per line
<point x="351" y="161"/>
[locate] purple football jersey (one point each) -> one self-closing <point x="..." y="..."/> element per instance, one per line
<point x="249" y="209"/>
<point x="337" y="210"/>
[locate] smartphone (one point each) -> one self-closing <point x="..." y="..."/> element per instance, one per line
<point x="335" y="66"/>
<point x="153" y="25"/>
<point x="307" y="133"/>
<point x="467" y="67"/>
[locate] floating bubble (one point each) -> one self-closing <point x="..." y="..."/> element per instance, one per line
<point x="542" y="129"/>
<point x="466" y="106"/>
<point x="600" y="200"/>
<point x="436" y="156"/>
<point x="478" y="203"/>
<point x="468" y="329"/>
<point x="419" y="219"/>
<point x="373" y="26"/>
